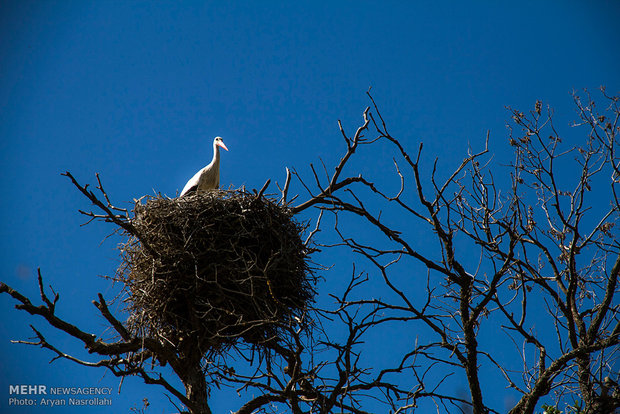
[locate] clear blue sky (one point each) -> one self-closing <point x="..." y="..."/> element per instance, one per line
<point x="137" y="90"/>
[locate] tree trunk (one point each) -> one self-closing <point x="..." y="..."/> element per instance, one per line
<point x="196" y="389"/>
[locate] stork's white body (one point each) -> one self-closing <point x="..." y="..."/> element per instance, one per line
<point x="207" y="178"/>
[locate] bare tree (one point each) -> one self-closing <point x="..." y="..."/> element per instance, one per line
<point x="531" y="254"/>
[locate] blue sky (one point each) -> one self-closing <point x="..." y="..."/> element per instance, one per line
<point x="137" y="90"/>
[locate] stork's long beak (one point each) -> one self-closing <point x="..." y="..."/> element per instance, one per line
<point x="221" y="144"/>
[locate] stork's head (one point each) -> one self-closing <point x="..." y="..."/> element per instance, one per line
<point x="219" y="142"/>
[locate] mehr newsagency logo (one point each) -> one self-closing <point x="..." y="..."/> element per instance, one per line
<point x="46" y="396"/>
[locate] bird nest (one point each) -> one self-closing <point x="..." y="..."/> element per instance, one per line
<point x="213" y="268"/>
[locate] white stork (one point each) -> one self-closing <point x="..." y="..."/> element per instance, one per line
<point x="209" y="177"/>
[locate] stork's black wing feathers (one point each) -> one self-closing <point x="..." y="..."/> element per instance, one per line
<point x="191" y="190"/>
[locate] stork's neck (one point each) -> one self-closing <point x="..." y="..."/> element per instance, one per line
<point x="216" y="154"/>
